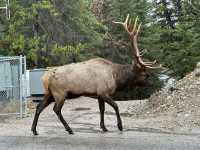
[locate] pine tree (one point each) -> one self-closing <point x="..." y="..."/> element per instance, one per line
<point x="37" y="28"/>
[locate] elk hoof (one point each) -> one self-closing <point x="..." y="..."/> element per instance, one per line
<point x="35" y="132"/>
<point x="102" y="126"/>
<point x="70" y="131"/>
<point x="120" y="127"/>
<point x="104" y="129"/>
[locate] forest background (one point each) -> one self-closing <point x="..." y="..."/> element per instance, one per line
<point x="57" y="32"/>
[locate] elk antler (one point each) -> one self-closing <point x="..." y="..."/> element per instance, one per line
<point x="133" y="34"/>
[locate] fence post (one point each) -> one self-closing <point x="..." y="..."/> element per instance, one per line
<point x="21" y="87"/>
<point x="25" y="85"/>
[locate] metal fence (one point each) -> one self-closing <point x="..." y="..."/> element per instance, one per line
<point x="12" y="85"/>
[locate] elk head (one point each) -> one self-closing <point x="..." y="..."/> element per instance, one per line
<point x="140" y="67"/>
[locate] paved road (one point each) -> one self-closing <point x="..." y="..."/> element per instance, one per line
<point x="138" y="134"/>
<point x="81" y="141"/>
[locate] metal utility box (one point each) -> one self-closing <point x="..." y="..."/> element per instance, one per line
<point x="36" y="87"/>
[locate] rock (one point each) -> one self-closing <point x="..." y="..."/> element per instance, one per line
<point x="197" y="73"/>
<point x="198" y="65"/>
<point x="187" y="115"/>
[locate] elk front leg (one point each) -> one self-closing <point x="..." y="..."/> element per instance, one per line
<point x="102" y="110"/>
<point x="112" y="103"/>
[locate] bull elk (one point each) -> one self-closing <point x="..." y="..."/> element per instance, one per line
<point x="98" y="78"/>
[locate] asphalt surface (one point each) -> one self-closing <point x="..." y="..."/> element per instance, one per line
<point x="83" y="118"/>
<point x="130" y="141"/>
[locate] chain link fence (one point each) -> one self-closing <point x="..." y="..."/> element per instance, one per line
<point x="13" y="85"/>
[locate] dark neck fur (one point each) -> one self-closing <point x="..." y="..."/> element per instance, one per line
<point x="123" y="75"/>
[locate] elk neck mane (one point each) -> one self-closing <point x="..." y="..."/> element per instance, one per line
<point x="123" y="74"/>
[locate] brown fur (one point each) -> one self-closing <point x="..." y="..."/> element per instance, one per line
<point x="95" y="77"/>
<point x="45" y="79"/>
<point x="98" y="78"/>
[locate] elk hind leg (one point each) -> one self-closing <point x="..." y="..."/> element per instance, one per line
<point x="102" y="110"/>
<point x="57" y="109"/>
<point x="40" y="107"/>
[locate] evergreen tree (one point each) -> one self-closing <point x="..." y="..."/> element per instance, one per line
<point x="40" y="29"/>
<point x="176" y="34"/>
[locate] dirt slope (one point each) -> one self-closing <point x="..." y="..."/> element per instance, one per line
<point x="178" y="106"/>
